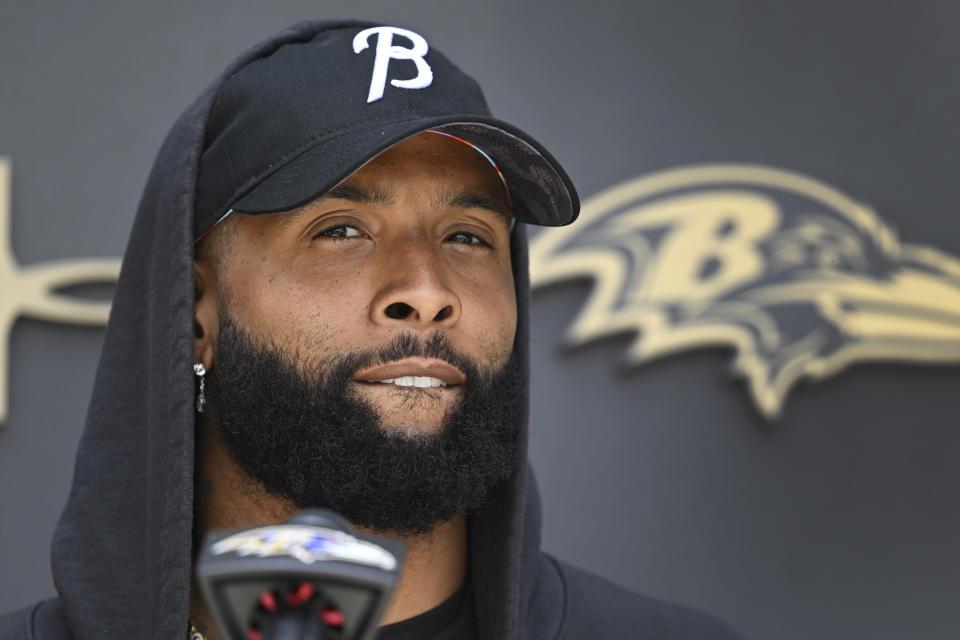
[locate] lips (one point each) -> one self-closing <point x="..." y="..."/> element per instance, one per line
<point x="413" y="372"/>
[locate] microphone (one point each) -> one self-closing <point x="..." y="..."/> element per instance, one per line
<point x="313" y="577"/>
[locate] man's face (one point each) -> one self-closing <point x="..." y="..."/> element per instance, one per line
<point x="416" y="241"/>
<point x="364" y="351"/>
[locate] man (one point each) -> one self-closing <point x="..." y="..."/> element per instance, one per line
<point x="332" y="241"/>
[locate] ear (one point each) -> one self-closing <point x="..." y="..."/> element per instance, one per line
<point x="206" y="314"/>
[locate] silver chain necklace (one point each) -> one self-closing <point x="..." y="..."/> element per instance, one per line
<point x="193" y="633"/>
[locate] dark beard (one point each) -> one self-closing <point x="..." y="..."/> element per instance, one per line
<point x="309" y="438"/>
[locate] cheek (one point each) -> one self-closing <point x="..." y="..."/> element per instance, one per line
<point x="495" y="316"/>
<point x="508" y="312"/>
<point x="287" y="304"/>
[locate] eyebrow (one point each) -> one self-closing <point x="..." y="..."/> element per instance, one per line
<point x="471" y="200"/>
<point x="360" y="195"/>
<point x="350" y="193"/>
<point x="465" y="199"/>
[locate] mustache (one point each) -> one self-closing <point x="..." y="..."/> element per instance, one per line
<point x="342" y="368"/>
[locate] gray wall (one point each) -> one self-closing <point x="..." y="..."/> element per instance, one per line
<point x="839" y="521"/>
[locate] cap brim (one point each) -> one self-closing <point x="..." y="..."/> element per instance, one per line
<point x="540" y="189"/>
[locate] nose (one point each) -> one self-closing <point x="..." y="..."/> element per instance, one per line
<point x="414" y="293"/>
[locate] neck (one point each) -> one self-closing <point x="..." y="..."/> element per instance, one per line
<point x="434" y="568"/>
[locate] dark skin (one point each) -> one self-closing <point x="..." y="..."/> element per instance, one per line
<point x="417" y="240"/>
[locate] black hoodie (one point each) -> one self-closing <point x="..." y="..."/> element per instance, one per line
<point x="122" y="549"/>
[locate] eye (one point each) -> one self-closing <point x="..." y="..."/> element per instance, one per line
<point x="464" y="237"/>
<point x="338" y="232"/>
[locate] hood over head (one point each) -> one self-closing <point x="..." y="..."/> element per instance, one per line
<point x="122" y="549"/>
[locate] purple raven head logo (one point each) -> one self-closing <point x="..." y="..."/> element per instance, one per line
<point x="306" y="543"/>
<point x="797" y="278"/>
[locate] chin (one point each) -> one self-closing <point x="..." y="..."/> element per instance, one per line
<point x="414" y="430"/>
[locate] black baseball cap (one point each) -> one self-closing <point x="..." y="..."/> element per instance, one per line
<point x="287" y="127"/>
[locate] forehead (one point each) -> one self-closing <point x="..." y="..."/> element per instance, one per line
<point x="433" y="155"/>
<point x="444" y="168"/>
<point x="429" y="170"/>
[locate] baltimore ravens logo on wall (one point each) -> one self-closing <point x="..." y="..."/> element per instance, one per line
<point x="36" y="290"/>
<point x="799" y="279"/>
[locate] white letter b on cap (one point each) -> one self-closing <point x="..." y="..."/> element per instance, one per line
<point x="386" y="50"/>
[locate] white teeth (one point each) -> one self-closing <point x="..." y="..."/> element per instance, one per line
<point x="414" y="381"/>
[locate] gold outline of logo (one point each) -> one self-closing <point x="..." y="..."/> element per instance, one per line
<point x="31" y="291"/>
<point x="624" y="299"/>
